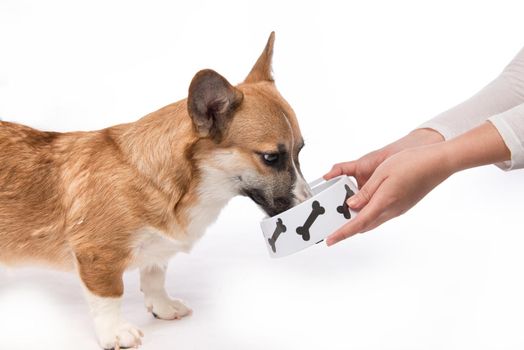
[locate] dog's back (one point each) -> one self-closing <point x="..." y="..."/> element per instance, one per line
<point x="28" y="193"/>
<point x="61" y="192"/>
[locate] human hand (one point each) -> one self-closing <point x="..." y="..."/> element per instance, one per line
<point x="402" y="180"/>
<point x="393" y="188"/>
<point x="363" y="168"/>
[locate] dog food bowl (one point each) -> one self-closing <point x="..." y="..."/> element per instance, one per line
<point x="312" y="220"/>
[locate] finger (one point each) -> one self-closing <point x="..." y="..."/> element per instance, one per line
<point x="346" y="231"/>
<point x="368" y="218"/>
<point x="364" y="221"/>
<point x="364" y="195"/>
<point x="347" y="168"/>
<point x="383" y="214"/>
<point x="361" y="181"/>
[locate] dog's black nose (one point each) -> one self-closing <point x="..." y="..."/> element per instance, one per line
<point x="280" y="204"/>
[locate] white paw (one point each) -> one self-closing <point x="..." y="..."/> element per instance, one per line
<point x="120" y="336"/>
<point x="166" y="308"/>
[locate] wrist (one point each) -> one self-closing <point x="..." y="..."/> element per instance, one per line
<point x="416" y="138"/>
<point x="448" y="157"/>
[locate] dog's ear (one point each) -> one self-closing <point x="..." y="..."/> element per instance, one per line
<point x="261" y="71"/>
<point x="211" y="103"/>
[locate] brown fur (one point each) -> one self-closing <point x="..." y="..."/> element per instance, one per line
<point x="78" y="198"/>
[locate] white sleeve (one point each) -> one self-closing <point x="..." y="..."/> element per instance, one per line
<point x="510" y="125"/>
<point x="496" y="100"/>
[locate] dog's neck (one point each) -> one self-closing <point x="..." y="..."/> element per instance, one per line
<point x="157" y="145"/>
<point x="165" y="149"/>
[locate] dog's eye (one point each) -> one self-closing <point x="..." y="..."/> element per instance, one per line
<point x="270" y="158"/>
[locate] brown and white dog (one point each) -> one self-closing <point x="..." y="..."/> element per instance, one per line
<point x="133" y="195"/>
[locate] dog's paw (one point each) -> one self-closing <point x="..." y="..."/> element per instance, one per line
<point x="166" y="308"/>
<point x="120" y="336"/>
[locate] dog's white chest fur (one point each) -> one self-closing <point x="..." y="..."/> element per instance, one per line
<point x="154" y="247"/>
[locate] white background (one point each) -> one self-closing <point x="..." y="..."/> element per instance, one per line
<point x="359" y="74"/>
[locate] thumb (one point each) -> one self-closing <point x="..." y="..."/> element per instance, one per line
<point x="363" y="196"/>
<point x="347" y="168"/>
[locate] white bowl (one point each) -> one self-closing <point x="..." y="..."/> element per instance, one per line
<point x="312" y="220"/>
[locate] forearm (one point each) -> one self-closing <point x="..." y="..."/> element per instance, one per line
<point x="416" y="138"/>
<point x="482" y="145"/>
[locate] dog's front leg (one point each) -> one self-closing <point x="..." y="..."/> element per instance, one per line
<point x="157" y="301"/>
<point x="104" y="287"/>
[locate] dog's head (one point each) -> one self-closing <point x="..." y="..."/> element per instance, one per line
<point x="252" y="135"/>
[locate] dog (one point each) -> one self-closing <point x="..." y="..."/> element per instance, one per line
<point x="133" y="195"/>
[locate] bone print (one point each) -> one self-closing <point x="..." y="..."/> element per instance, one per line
<point x="344" y="209"/>
<point x="315" y="213"/>
<point x="278" y="230"/>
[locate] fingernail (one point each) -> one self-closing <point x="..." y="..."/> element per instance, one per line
<point x="353" y="201"/>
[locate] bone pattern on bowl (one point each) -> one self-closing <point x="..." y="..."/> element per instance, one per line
<point x="344" y="208"/>
<point x="316" y="211"/>
<point x="320" y="206"/>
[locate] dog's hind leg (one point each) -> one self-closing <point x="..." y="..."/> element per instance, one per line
<point x="157" y="301"/>
<point x="101" y="275"/>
